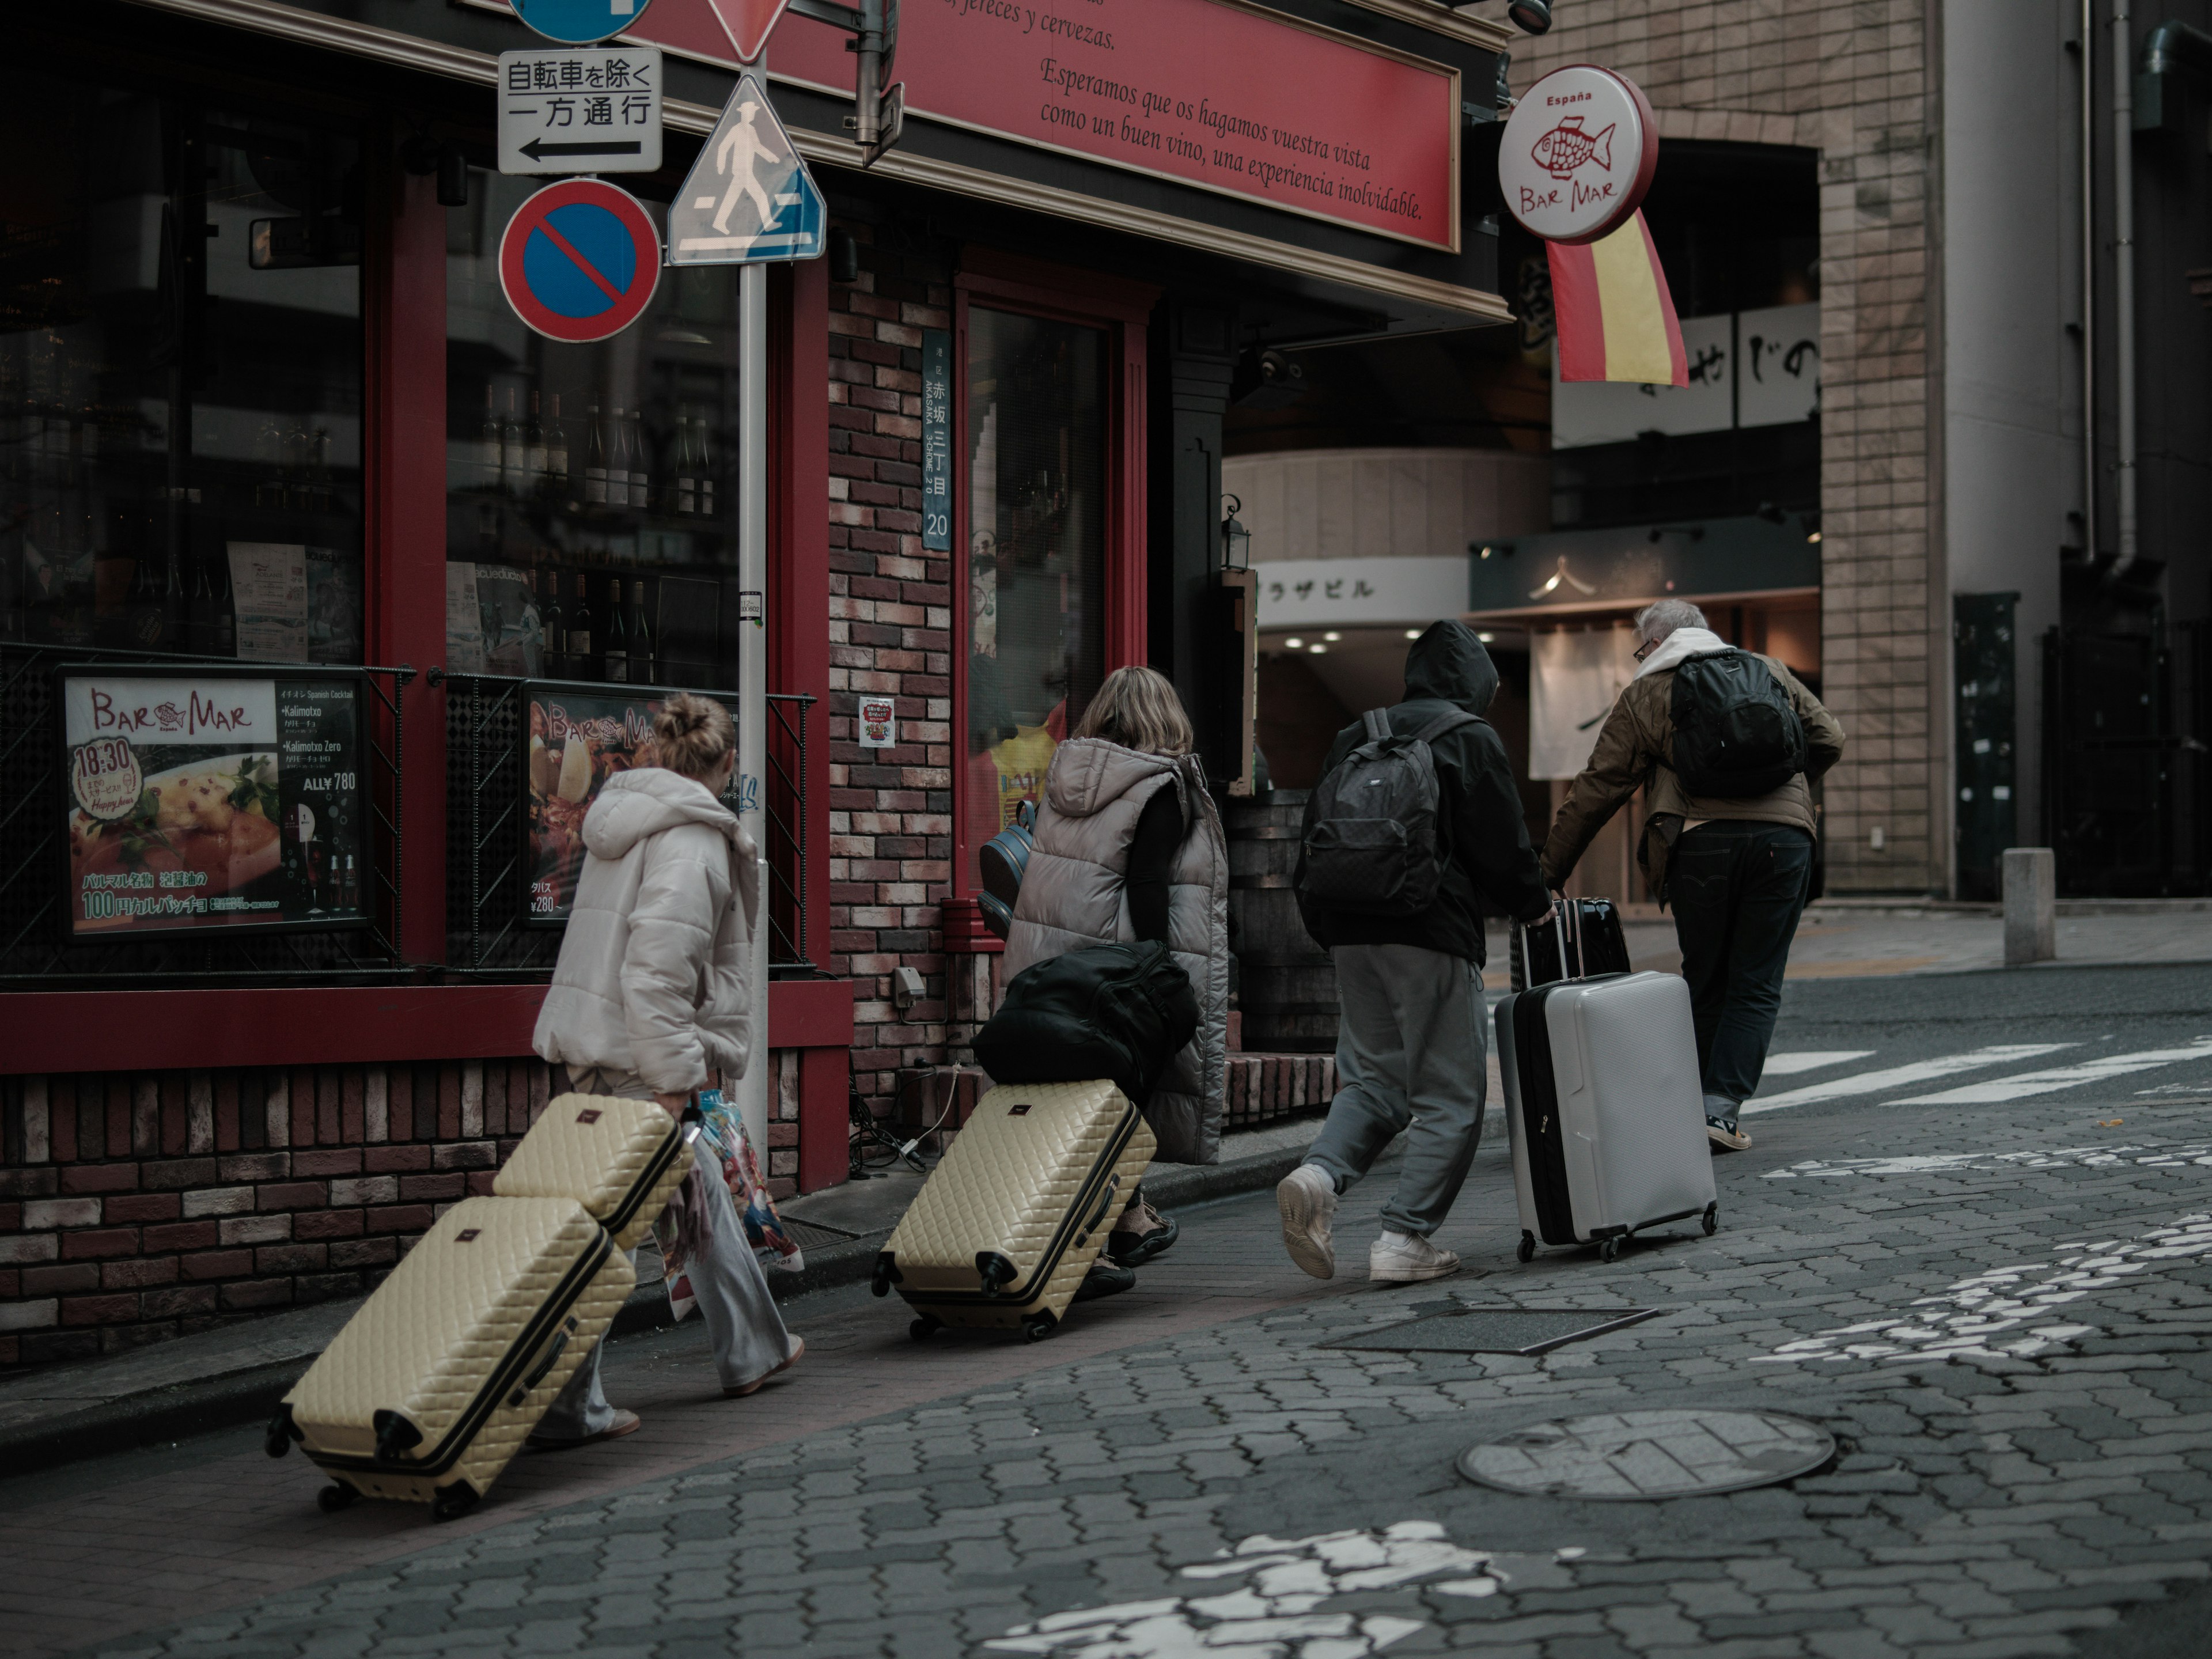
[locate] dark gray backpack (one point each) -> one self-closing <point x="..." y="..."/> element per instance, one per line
<point x="1374" y="841"/>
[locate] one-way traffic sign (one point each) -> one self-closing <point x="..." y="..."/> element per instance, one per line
<point x="749" y="197"/>
<point x="593" y="111"/>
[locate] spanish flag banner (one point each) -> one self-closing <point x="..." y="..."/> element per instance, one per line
<point x="1615" y="318"/>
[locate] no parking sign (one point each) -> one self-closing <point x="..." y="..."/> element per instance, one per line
<point x="580" y="260"/>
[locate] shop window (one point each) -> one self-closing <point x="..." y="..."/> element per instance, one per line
<point x="1037" y="576"/>
<point x="591" y="518"/>
<point x="180" y="378"/>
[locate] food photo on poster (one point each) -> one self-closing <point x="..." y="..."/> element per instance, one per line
<point x="576" y="740"/>
<point x="212" y="800"/>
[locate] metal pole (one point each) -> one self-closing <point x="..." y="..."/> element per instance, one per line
<point x="2123" y="287"/>
<point x="752" y="663"/>
<point x="2088" y="286"/>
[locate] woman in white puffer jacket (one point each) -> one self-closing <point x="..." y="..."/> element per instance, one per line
<point x="649" y="999"/>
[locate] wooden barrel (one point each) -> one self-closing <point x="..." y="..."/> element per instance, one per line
<point x="1287" y="984"/>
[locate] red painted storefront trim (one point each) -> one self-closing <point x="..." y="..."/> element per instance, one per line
<point x="338" y="1025"/>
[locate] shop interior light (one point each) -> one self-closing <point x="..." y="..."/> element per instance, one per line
<point x="1318" y="650"/>
<point x="1331" y="638"/>
<point x="1413" y="633"/>
<point x="1486" y="550"/>
<point x="1294" y="644"/>
<point x="1814" y="539"/>
<point x="1485" y="638"/>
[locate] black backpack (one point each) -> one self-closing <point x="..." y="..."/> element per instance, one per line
<point x="1374" y="838"/>
<point x="1736" y="734"/>
<point x="1111" y="1011"/>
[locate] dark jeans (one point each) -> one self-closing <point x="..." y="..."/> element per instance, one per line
<point x="1737" y="887"/>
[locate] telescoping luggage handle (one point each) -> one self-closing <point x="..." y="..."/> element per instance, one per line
<point x="1568" y="915"/>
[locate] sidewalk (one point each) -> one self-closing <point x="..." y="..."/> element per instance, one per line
<point x="218" y="1379"/>
<point x="1861" y="939"/>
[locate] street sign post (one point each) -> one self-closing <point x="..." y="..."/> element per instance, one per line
<point x="579" y="22"/>
<point x="748" y="23"/>
<point x="749" y="197"/>
<point x="590" y="110"/>
<point x="580" y="260"/>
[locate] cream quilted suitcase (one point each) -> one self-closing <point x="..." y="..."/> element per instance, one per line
<point x="434" y="1384"/>
<point x="1006" y="1227"/>
<point x="623" y="1160"/>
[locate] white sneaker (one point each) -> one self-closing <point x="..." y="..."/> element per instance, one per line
<point x="1404" y="1259"/>
<point x="1307" y="1198"/>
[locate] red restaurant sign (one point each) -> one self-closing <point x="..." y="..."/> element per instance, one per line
<point x="1212" y="93"/>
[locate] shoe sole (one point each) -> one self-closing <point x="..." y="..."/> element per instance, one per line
<point x="745" y="1390"/>
<point x="1152" y="1246"/>
<point x="1410" y="1275"/>
<point x="1301" y="1209"/>
<point x="1739" y="1143"/>
<point x="628" y="1423"/>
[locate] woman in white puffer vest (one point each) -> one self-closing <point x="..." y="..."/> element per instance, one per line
<point x="1129" y="847"/>
<point x="649" y="1000"/>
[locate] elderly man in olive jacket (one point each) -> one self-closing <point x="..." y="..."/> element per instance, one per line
<point x="1736" y="870"/>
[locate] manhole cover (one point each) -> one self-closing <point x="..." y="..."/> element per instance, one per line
<point x="1648" y="1455"/>
<point x="1493" y="1330"/>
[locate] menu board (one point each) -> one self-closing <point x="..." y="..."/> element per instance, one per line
<point x="575" y="741"/>
<point x="213" y="799"/>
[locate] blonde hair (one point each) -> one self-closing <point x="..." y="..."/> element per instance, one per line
<point x="692" y="734"/>
<point x="1138" y="708"/>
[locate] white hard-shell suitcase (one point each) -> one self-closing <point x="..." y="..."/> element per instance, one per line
<point x="1604" y="1109"/>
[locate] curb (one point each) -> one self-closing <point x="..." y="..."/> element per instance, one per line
<point x="139" y="1420"/>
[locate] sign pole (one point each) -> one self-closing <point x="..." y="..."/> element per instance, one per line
<point x="752" y="662"/>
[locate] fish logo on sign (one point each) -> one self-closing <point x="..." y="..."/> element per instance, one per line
<point x="748" y="197"/>
<point x="1567" y="146"/>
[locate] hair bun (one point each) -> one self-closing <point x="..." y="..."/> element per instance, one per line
<point x="694" y="733"/>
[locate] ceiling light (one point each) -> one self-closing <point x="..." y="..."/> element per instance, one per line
<point x="1413" y="633"/>
<point x="1485" y="638"/>
<point x="1814" y="539"/>
<point x="1331" y="638"/>
<point x="1318" y="650"/>
<point x="1486" y="550"/>
<point x="1294" y="644"/>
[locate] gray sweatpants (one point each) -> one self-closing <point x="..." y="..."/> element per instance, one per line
<point x="1410" y="1058"/>
<point x="742" y="1325"/>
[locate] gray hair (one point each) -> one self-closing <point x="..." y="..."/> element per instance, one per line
<point x="1662" y="616"/>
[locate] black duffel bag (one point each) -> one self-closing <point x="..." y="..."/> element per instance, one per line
<point x="1110" y="1011"/>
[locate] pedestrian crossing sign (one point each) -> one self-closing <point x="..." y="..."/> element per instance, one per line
<point x="748" y="197"/>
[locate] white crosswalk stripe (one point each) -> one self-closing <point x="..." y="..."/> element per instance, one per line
<point x="1812" y="1059"/>
<point x="1900" y="1077"/>
<point x="2048" y="1081"/>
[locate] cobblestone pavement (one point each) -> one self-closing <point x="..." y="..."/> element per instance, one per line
<point x="1998" y="1305"/>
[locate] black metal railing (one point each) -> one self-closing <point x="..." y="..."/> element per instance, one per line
<point x="34" y="815"/>
<point x="489" y="931"/>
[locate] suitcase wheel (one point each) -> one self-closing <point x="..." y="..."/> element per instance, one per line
<point x="925" y="1327"/>
<point x="335" y="1497"/>
<point x="454" y="1502"/>
<point x="1713" y="1219"/>
<point x="1526" y="1248"/>
<point x="1610" y="1250"/>
<point x="1038" y="1325"/>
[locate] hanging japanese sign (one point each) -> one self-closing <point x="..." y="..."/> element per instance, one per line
<point x="749" y="197"/>
<point x="590" y="111"/>
<point x="1577" y="154"/>
<point x="216" y="799"/>
<point x="580" y="260"/>
<point x="936" y="440"/>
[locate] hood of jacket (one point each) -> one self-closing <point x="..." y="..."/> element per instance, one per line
<point x="1448" y="663"/>
<point x="645" y="800"/>
<point x="1682" y="642"/>
<point x="1090" y="775"/>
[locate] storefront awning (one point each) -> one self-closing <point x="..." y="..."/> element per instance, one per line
<point x="1570" y="570"/>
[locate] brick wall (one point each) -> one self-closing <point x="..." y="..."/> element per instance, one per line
<point x="135" y="1207"/>
<point x="1848" y="78"/>
<point x="891" y="634"/>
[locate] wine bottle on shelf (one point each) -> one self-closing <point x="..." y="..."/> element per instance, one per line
<point x="514" y="465"/>
<point x="641" y="481"/>
<point x="644" y="670"/>
<point x="554" y="626"/>
<point x="556" y="450"/>
<point x="488" y="443"/>
<point x="616" y="671"/>
<point x="580" y="633"/>
<point x="595" y="461"/>
<point x="533" y="450"/>
<point x="618" y="460"/>
<point x="703" y="459"/>
<point x="686" y="471"/>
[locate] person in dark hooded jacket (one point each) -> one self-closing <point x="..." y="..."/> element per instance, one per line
<point x="1410" y="1050"/>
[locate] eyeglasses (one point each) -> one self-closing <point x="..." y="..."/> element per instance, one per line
<point x="1646" y="649"/>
